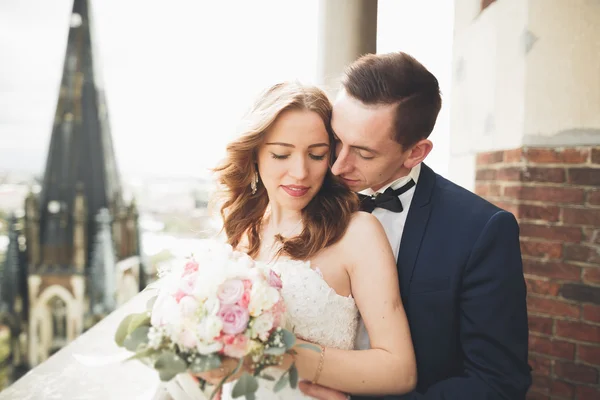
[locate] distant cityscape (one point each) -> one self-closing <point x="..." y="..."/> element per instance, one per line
<point x="167" y="205"/>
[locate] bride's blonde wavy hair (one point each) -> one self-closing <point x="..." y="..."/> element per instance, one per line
<point x="327" y="215"/>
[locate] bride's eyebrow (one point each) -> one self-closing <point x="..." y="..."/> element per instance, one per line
<point x="292" y="146"/>
<point x="280" y="144"/>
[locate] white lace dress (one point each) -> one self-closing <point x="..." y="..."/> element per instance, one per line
<point x="317" y="313"/>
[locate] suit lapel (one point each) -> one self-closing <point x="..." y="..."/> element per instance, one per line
<point x="414" y="228"/>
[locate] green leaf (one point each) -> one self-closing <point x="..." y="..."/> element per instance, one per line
<point x="250" y="396"/>
<point x="293" y="376"/>
<point x="245" y="385"/>
<point x="281" y="383"/>
<point x="136" y="338"/>
<point x="150" y="303"/>
<point x="289" y="339"/>
<point x="168" y="365"/>
<point x="141" y="319"/>
<point x="309" y="346"/>
<point x="274" y="351"/>
<point x="166" y="375"/>
<point x="122" y="330"/>
<point x="205" y="363"/>
<point x="267" y="377"/>
<point x="143" y="353"/>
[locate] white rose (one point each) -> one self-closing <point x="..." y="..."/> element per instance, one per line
<point x="188" y="306"/>
<point x="209" y="348"/>
<point x="165" y="311"/>
<point x="212" y="306"/>
<point x="262" y="326"/>
<point x="262" y="297"/>
<point x="209" y="328"/>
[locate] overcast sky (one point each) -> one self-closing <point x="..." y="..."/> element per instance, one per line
<point x="179" y="73"/>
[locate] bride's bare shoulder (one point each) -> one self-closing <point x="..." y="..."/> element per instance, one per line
<point x="362" y="229"/>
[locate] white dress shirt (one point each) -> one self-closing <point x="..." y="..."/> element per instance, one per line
<point x="393" y="224"/>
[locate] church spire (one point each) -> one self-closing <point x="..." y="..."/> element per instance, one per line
<point x="81" y="155"/>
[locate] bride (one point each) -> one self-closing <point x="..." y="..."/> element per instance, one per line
<point x="281" y="202"/>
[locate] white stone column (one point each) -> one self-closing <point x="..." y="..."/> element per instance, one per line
<point x="347" y="30"/>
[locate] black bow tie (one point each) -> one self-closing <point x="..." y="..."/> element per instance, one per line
<point x="388" y="199"/>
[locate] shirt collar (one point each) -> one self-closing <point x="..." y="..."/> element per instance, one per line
<point x="398" y="183"/>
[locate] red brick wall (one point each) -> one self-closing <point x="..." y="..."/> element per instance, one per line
<point x="555" y="195"/>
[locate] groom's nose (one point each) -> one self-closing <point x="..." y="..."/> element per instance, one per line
<point x="341" y="164"/>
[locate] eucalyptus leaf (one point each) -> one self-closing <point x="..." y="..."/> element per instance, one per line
<point x="122" y="330"/>
<point x="150" y="303"/>
<point x="141" y="319"/>
<point x="289" y="339"/>
<point x="166" y="375"/>
<point x="245" y="385"/>
<point x="143" y="353"/>
<point x="136" y="338"/>
<point x="275" y="351"/>
<point x="250" y="396"/>
<point x="309" y="346"/>
<point x="169" y="364"/>
<point x="205" y="363"/>
<point x="281" y="383"/>
<point x="293" y="376"/>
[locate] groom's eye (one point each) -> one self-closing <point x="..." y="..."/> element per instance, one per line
<point x="279" y="156"/>
<point x="365" y="155"/>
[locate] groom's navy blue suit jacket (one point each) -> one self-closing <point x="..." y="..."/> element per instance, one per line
<point x="461" y="280"/>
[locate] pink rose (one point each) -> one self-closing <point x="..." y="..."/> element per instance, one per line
<point x="234" y="317"/>
<point x="190" y="267"/>
<point x="274" y="280"/>
<point x="180" y="294"/>
<point x="247" y="284"/>
<point x="188" y="283"/>
<point x="231" y="291"/>
<point x="235" y="346"/>
<point x="245" y="300"/>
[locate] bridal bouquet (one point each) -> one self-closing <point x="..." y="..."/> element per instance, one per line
<point x="218" y="304"/>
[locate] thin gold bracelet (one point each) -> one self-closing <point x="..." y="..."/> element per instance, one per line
<point x="320" y="366"/>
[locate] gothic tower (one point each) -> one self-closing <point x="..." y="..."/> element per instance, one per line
<point x="78" y="229"/>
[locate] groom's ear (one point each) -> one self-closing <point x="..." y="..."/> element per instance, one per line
<point x="418" y="153"/>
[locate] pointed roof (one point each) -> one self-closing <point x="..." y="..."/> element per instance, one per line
<point x="81" y="152"/>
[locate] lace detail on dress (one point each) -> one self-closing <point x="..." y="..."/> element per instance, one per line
<point x="315" y="312"/>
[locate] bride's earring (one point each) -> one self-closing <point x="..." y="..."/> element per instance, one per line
<point x="254" y="183"/>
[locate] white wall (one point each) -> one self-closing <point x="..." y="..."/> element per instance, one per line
<point x="423" y="29"/>
<point x="524" y="73"/>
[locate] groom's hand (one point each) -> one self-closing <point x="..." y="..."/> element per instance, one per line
<point x="321" y="392"/>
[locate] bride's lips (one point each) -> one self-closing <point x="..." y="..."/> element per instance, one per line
<point x="295" y="190"/>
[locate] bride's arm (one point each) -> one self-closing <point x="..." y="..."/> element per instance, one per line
<point x="389" y="366"/>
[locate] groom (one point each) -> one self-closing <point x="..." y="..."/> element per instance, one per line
<point x="458" y="256"/>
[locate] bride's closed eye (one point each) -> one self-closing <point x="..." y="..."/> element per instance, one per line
<point x="312" y="156"/>
<point x="317" y="157"/>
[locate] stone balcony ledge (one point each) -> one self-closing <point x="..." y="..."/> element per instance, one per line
<point x="91" y="367"/>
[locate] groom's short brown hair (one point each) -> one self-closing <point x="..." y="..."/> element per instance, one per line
<point x="397" y="78"/>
